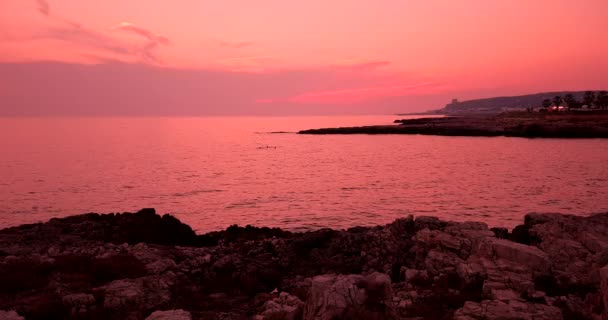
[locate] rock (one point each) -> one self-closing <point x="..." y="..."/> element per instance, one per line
<point x="437" y="262"/>
<point x="431" y="223"/>
<point x="178" y="314"/>
<point x="122" y="294"/>
<point x="88" y="266"/>
<point x="354" y="296"/>
<point x="10" y="315"/>
<point x="604" y="288"/>
<point x="134" y="296"/>
<point x="500" y="233"/>
<point x="524" y="255"/>
<point x="79" y="303"/>
<point x="499" y="310"/>
<point x="415" y="276"/>
<point x="286" y="307"/>
<point x="161" y="266"/>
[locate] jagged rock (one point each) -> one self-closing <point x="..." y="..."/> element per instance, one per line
<point x="161" y="266"/>
<point x="521" y="254"/>
<point x="285" y="306"/>
<point x="10" y="315"/>
<point x="93" y="265"/>
<point x="178" y="314"/>
<point x="437" y="262"/>
<point x="339" y="296"/>
<point x="415" y="276"/>
<point x="604" y="288"/>
<point x="426" y="222"/>
<point x="122" y="294"/>
<point x="499" y="310"/>
<point x="79" y="303"/>
<point x="134" y="296"/>
<point x="499" y="232"/>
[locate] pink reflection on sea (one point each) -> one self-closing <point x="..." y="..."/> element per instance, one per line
<point x="217" y="171"/>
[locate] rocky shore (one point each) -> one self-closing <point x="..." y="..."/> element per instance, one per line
<point x="516" y="124"/>
<point x="144" y="266"/>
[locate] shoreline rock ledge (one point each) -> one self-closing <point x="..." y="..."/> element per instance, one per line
<point x="146" y="266"/>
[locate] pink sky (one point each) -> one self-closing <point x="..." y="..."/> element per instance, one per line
<point x="292" y="57"/>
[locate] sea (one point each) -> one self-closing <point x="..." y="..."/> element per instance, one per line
<point x="213" y="172"/>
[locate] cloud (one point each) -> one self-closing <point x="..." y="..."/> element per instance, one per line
<point x="80" y="35"/>
<point x="43" y="7"/>
<point x="127" y="26"/>
<point x="235" y="44"/>
<point x="154" y="40"/>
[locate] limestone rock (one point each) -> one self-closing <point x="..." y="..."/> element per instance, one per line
<point x="524" y="255"/>
<point x="339" y="296"/>
<point x="178" y="314"/>
<point x="499" y="310"/>
<point x="285" y="306"/>
<point x="604" y="288"/>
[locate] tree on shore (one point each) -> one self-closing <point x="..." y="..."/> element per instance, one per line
<point x="589" y="99"/>
<point x="571" y="101"/>
<point x="557" y="101"/>
<point x="601" y="100"/>
<point x="547" y="103"/>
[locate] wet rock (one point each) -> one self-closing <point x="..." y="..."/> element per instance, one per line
<point x="178" y="314"/>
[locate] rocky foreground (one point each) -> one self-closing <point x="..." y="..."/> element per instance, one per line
<point x="516" y="124"/>
<point x="144" y="266"/>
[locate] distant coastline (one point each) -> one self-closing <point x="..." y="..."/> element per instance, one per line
<point x="512" y="124"/>
<point x="496" y="105"/>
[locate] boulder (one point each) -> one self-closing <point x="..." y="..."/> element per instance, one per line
<point x="604" y="288"/>
<point x="524" y="255"/>
<point x="178" y="314"/>
<point x="135" y="296"/>
<point x="349" y="296"/>
<point x="10" y="315"/>
<point x="79" y="303"/>
<point x="285" y="306"/>
<point x="511" y="310"/>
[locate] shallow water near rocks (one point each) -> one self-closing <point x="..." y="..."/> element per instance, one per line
<point x="212" y="172"/>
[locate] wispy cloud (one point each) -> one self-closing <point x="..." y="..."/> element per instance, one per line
<point x="43" y="7"/>
<point x="154" y="40"/>
<point x="101" y="42"/>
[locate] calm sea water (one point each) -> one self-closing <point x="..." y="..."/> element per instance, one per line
<point x="213" y="172"/>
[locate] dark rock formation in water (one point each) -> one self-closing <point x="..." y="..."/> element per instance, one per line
<point x="144" y="266"/>
<point x="528" y="125"/>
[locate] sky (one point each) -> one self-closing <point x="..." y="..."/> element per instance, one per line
<point x="281" y="57"/>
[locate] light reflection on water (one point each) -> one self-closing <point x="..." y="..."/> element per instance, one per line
<point x="216" y="171"/>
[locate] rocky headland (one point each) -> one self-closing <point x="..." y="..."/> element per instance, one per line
<point x="144" y="266"/>
<point x="513" y="124"/>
